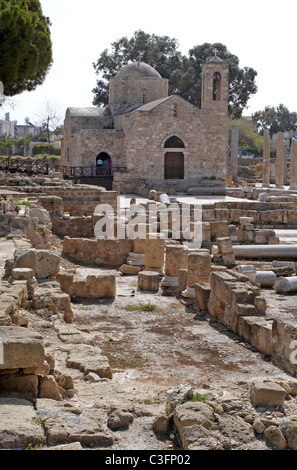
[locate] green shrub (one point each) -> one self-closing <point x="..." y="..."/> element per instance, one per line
<point x="45" y="148"/>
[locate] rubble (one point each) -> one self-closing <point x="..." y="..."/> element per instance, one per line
<point x="73" y="343"/>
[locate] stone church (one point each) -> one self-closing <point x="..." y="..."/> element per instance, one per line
<point x="154" y="141"/>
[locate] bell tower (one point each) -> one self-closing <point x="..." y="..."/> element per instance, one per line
<point x="215" y="84"/>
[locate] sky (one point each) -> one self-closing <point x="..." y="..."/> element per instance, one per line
<point x="261" y="33"/>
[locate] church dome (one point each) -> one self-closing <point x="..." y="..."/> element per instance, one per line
<point x="138" y="70"/>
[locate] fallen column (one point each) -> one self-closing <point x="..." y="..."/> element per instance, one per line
<point x="265" y="278"/>
<point x="284" y="285"/>
<point x="265" y="251"/>
<point x="248" y="271"/>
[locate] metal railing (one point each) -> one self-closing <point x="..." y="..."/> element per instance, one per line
<point x="9" y="164"/>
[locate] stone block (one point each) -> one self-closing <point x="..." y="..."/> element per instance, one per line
<point x="18" y="424"/>
<point x="202" y="293"/>
<point x="182" y="275"/>
<point x="199" y="268"/>
<point x="267" y="394"/>
<point x="22" y="273"/>
<point x="129" y="269"/>
<point x="148" y="281"/>
<point x="23" y="385"/>
<point x="21" y="348"/>
<point x="43" y="262"/>
<point x="176" y="258"/>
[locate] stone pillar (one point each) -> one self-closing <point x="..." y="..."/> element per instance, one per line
<point x="266" y="160"/>
<point x="279" y="170"/>
<point x="285" y="180"/>
<point x="293" y="169"/>
<point x="136" y="257"/>
<point x="225" y="248"/>
<point x="234" y="151"/>
<point x="154" y="252"/>
<point x="199" y="270"/>
<point x="176" y="258"/>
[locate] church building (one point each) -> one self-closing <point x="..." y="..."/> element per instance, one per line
<point x="150" y="139"/>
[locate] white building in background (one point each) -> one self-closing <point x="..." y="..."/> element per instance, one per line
<point x="27" y="129"/>
<point x="7" y="127"/>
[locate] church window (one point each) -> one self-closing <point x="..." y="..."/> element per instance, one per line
<point x="217" y="86"/>
<point x="174" y="142"/>
<point x="175" y="110"/>
<point x="143" y="98"/>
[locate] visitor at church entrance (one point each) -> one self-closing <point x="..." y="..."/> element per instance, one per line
<point x="103" y="164"/>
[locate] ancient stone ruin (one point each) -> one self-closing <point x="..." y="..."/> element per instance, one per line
<point x="120" y="329"/>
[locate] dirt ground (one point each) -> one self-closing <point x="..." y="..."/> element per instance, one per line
<point x="154" y="343"/>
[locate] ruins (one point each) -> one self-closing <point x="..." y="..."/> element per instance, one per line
<point x="163" y="318"/>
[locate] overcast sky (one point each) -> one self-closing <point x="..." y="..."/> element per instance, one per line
<point x="262" y="33"/>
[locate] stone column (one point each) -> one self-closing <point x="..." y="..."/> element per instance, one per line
<point x="176" y="258"/>
<point x="285" y="180"/>
<point x="279" y="170"/>
<point x="199" y="270"/>
<point x="266" y="160"/>
<point x="154" y="252"/>
<point x="234" y="152"/>
<point x="293" y="169"/>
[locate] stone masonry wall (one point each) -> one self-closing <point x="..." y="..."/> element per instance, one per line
<point x="202" y="131"/>
<point x="111" y="252"/>
<point x="82" y="200"/>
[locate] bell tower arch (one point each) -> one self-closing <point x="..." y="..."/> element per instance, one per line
<point x="215" y="84"/>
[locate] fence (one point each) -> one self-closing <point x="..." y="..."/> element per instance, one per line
<point x="38" y="166"/>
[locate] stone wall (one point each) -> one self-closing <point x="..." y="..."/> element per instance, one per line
<point x="110" y="252"/>
<point x="204" y="152"/>
<point x="237" y="303"/>
<point x="90" y="287"/>
<point x="263" y="214"/>
<point x="77" y="227"/>
<point x="81" y="199"/>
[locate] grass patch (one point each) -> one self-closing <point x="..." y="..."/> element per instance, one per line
<point x="25" y="203"/>
<point x="148" y="307"/>
<point x="131" y="362"/>
<point x="196" y="397"/>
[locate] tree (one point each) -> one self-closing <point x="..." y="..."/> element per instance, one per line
<point x="49" y="118"/>
<point x="24" y="143"/>
<point x="159" y="52"/>
<point x="276" y="120"/>
<point x="183" y="72"/>
<point x="248" y="138"/>
<point x="7" y="143"/>
<point x="26" y="48"/>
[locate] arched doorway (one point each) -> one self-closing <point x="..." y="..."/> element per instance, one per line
<point x="174" y="158"/>
<point x="103" y="164"/>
